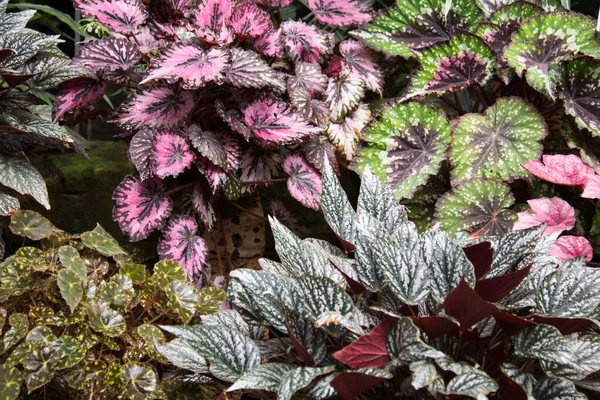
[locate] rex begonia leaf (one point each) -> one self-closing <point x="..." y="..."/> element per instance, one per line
<point x="305" y="182"/>
<point x="75" y="94"/>
<point x="416" y="24"/>
<point x="569" y="292"/>
<point x="268" y="377"/>
<point x="269" y="44"/>
<point x="248" y="69"/>
<point x="273" y="120"/>
<point x="215" y="175"/>
<point x="11" y="22"/>
<point x="234" y="118"/>
<point x="591" y="188"/>
<point x="190" y="63"/>
<point x="567" y="247"/>
<point x="39" y="127"/>
<point x="123" y="16"/>
<point x="181" y="244"/>
<point x="213" y="21"/>
<point x="470" y="381"/>
<point x="172" y="153"/>
<point x="305" y="42"/>
<point x="358" y="61"/>
<point x="70" y="286"/>
<point x="19" y="175"/>
<point x="405" y="345"/>
<point x="157" y="107"/>
<point x="140" y="206"/>
<point x="580" y="90"/>
<point x="214" y="146"/>
<point x="108" y="54"/>
<point x="275" y="3"/>
<point x="24" y="45"/>
<point x="341" y="12"/>
<point x="347" y="134"/>
<point x="11" y="380"/>
<point x="318" y="150"/>
<point x="203" y="207"/>
<point x="141" y="153"/>
<point x="343" y="94"/>
<point x="8" y="204"/>
<point x="541" y="42"/>
<point x="258" y="165"/>
<point x="463" y="61"/>
<point x="478" y="206"/>
<point x="299" y="378"/>
<point x="249" y="21"/>
<point x="338" y="211"/>
<point x="568" y="170"/>
<point x="557" y="213"/>
<point x="545" y="343"/>
<point x="405" y="146"/>
<point x="494" y="144"/>
<point x="308" y="76"/>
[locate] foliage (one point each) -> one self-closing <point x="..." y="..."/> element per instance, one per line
<point x="77" y="313"/>
<point x="418" y="315"/>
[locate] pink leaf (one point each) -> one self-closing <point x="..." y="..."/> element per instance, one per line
<point x="305" y="42"/>
<point x="249" y="21"/>
<point x="341" y="12"/>
<point x="181" y="244"/>
<point x="248" y="69"/>
<point x="343" y="95"/>
<point x="194" y="65"/>
<point x="140" y="207"/>
<point x="157" y="107"/>
<point x="358" y="62"/>
<point x="305" y="182"/>
<point x="172" y="154"/>
<point x="561" y="169"/>
<point x="141" y="153"/>
<point x="76" y="93"/>
<point x="146" y="40"/>
<point x="591" y="188"/>
<point x="567" y="247"/>
<point x="347" y="134"/>
<point x="275" y="3"/>
<point x="122" y="16"/>
<point x="559" y="215"/>
<point x="212" y="21"/>
<point x="108" y="53"/>
<point x="215" y="175"/>
<point x="273" y="120"/>
<point x="202" y="206"/>
<point x="258" y="165"/>
<point x="269" y="44"/>
<point x="310" y="77"/>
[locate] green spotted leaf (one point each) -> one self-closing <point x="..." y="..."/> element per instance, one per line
<point x="118" y="292"/>
<point x="10" y="382"/>
<point x="99" y="240"/>
<point x="267" y="377"/>
<point x="167" y="271"/>
<point x="19" y="325"/>
<point x="70" y="351"/>
<point x="135" y="272"/>
<point x="495" y="144"/>
<point x="31" y="225"/>
<point x="8" y="204"/>
<point x="542" y="42"/>
<point x="39" y="366"/>
<point x="580" y="90"/>
<point x="70" y="286"/>
<point x="183" y="297"/>
<point x="70" y="259"/>
<point x="105" y="320"/>
<point x="20" y="175"/>
<point x="404" y="344"/>
<point x="478" y="206"/>
<point x="569" y="292"/>
<point x="586" y="352"/>
<point x="405" y="146"/>
<point x="211" y="298"/>
<point x="150" y="334"/>
<point x="545" y="343"/>
<point x="140" y="381"/>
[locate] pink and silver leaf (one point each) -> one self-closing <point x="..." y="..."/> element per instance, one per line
<point x="258" y="165"/>
<point x="557" y="213"/>
<point x="180" y="243"/>
<point x="215" y="175"/>
<point x="561" y="169"/>
<point x="359" y="62"/>
<point x="141" y="153"/>
<point x="343" y="95"/>
<point x="567" y="247"/>
<point x="318" y="150"/>
<point x="220" y="148"/>
<point x="250" y="21"/>
<point x="347" y="134"/>
<point x="310" y="77"/>
<point x="213" y="21"/>
<point x="233" y="118"/>
<point x="202" y="206"/>
<point x="249" y="70"/>
<point x="157" y="107"/>
<point x="108" y="54"/>
<point x="341" y="13"/>
<point x="305" y="42"/>
<point x="305" y="183"/>
<point x="275" y="3"/>
<point x="172" y="153"/>
<point x="76" y="94"/>
<point x="122" y="16"/>
<point x="140" y="206"/>
<point x="269" y="44"/>
<point x="317" y="112"/>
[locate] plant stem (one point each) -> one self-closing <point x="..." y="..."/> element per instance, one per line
<point x="266" y="181"/>
<point x="246" y="211"/>
<point x="179" y="188"/>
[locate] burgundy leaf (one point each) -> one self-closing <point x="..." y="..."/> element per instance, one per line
<point x="14" y="78"/>
<point x="172" y="154"/>
<point x="279" y="211"/>
<point x="190" y="63"/>
<point x="75" y="94"/>
<point x="247" y="69"/>
<point x="181" y="244"/>
<point x="4" y="54"/>
<point x="212" y="21"/>
<point x="269" y="44"/>
<point x="436" y="326"/>
<point x="122" y="16"/>
<point x="511" y="389"/>
<point x="258" y="165"/>
<point x="273" y="120"/>
<point x="512" y="324"/>
<point x="566" y="326"/>
<point x="233" y="118"/>
<point x="496" y="288"/>
<point x="108" y="53"/>
<point x="349" y="384"/>
<point x="346" y="135"/>
<point x="561" y="169"/>
<point x="358" y="62"/>
<point x="567" y="247"/>
<point x="305" y="183"/>
<point x="202" y="206"/>
<point x="464" y="304"/>
<point x="591" y="188"/>
<point x="249" y="21"/>
<point x="141" y="153"/>
<point x="310" y="77"/>
<point x="305" y="42"/>
<point x="140" y="207"/>
<point x="157" y="107"/>
<point x="559" y="215"/>
<point x="481" y="256"/>
<point x="369" y="350"/>
<point x="341" y="12"/>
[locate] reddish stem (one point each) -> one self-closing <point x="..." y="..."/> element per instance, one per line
<point x="179" y="189"/>
<point x="246" y="211"/>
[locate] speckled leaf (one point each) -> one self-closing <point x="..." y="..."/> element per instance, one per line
<point x="19" y="325"/>
<point x="105" y="320"/>
<point x="309" y="341"/>
<point x="70" y="286"/>
<point x="478" y="206"/>
<point x="304" y="183"/>
<point x="580" y="90"/>
<point x="341" y="13"/>
<point x="308" y="76"/>
<point x="157" y="107"/>
<point x="8" y="204"/>
<point x="359" y="62"/>
<point x="494" y="144"/>
<point x="16" y="21"/>
<point x="213" y="146"/>
<point x="539" y="45"/>
<point x="183" y="355"/>
<point x="337" y="209"/>
<point x="512" y="247"/>
<point x="31" y="225"/>
<point x="10" y="382"/>
<point x="248" y="21"/>
<point x="76" y="93"/>
<point x="25" y="44"/>
<point x="172" y="154"/>
<point x="266" y="377"/>
<point x="40" y="127"/>
<point x="258" y="165"/>
<point x="118" y="292"/>
<point x="377" y="200"/>
<point x="300" y="378"/>
<point x="108" y="54"/>
<point x="140" y="153"/>
<point x="39" y="364"/>
<point x="545" y="343"/>
<point x="233" y="118"/>
<point x="404" y="344"/>
<point x="211" y="298"/>
<point x="20" y="175"/>
<point x="586" y="352"/>
<point x="212" y="21"/>
<point x="305" y="42"/>
<point x="405" y="146"/>
<point x="70" y="259"/>
<point x="425" y="374"/>
<point x="183" y="297"/>
<point x="343" y="94"/>
<point x="99" y="240"/>
<point x="569" y="292"/>
<point x="249" y="70"/>
<point x="123" y="16"/>
<point x="319" y="295"/>
<point x="181" y="244"/>
<point x="470" y="381"/>
<point x="203" y="207"/>
<point x="347" y="134"/>
<point x="140" y="381"/>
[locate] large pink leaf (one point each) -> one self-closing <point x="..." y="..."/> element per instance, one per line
<point x="561" y="169"/>
<point x="559" y="215"/>
<point x="172" y="154"/>
<point x="122" y="16"/>
<point x="305" y="183"/>
<point x="591" y="188"/>
<point x="181" y="244"/>
<point x="249" y="21"/>
<point x="141" y="153"/>
<point x="269" y="44"/>
<point x="273" y="120"/>
<point x="305" y="42"/>
<point x="248" y="69"/>
<point x="567" y="247"/>
<point x="109" y="53"/>
<point x="258" y="165"/>
<point x="358" y="62"/>
<point x="75" y="94"/>
<point x="341" y="12"/>
<point x="190" y="63"/>
<point x="157" y="107"/>
<point x="140" y="207"/>
<point x="310" y="77"/>
<point x="212" y="21"/>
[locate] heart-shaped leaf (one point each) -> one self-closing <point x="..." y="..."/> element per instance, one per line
<point x="141" y="153"/>
<point x="343" y="94"/>
<point x="181" y="244"/>
<point x="404" y="343"/>
<point x="31" y="225"/>
<point x="249" y="20"/>
<point x="580" y="90"/>
<point x="99" y="240"/>
<point x="347" y="134"/>
<point x="105" y="320"/>
<point x="20" y="175"/>
<point x="567" y="247"/>
<point x="70" y="287"/>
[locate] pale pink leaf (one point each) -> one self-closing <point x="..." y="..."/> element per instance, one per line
<point x="346" y="135"/>
<point x="359" y="62"/>
<point x="157" y="107"/>
<point x="310" y="77"/>
<point x="559" y="215"/>
<point x="172" y="154"/>
<point x="269" y="44"/>
<point x="258" y="165"/>
<point x="343" y="95"/>
<point x="140" y="207"/>
<point x="273" y="120"/>
<point x="190" y="63"/>
<point x="561" y="169"/>
<point x="591" y="188"/>
<point x="76" y="94"/>
<point x="180" y="243"/>
<point x="213" y="21"/>
<point x="305" y="42"/>
<point x="567" y="247"/>
<point x="249" y="70"/>
<point x="108" y="53"/>
<point x="305" y="183"/>
<point x="122" y="16"/>
<point x="141" y="153"/>
<point x="146" y="40"/>
<point x="250" y="21"/>
<point x="202" y="206"/>
<point x="341" y="12"/>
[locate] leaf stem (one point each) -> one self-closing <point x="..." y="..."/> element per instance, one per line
<point x="246" y="210"/>
<point x="179" y="188"/>
<point x="263" y="182"/>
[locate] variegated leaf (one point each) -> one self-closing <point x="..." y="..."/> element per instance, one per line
<point x="358" y="61"/>
<point x="300" y="378"/>
<point x="157" y="107"/>
<point x="108" y="54"/>
<point x="341" y="12"/>
<point x="247" y="69"/>
<point x="305" y="42"/>
<point x="141" y="153"/>
<point x="172" y="153"/>
<point x="347" y="134"/>
<point x="181" y="244"/>
<point x="343" y="94"/>
<point x="22" y="177"/>
<point x="404" y="344"/>
<point x="266" y="377"/>
<point x="123" y="16"/>
<point x="75" y="94"/>
<point x="250" y="21"/>
<point x="580" y="90"/>
<point x="337" y="209"/>
<point x="258" y="165"/>
<point x="308" y="76"/>
<point x="305" y="182"/>
<point x="212" y="21"/>
<point x="545" y="343"/>
<point x="569" y="292"/>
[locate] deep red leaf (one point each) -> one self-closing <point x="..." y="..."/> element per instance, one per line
<point x="306" y="357"/>
<point x="510" y="389"/>
<point x="464" y="304"/>
<point x="566" y="326"/>
<point x="13" y="79"/>
<point x="512" y="324"/>
<point x="369" y="350"/>
<point x="349" y="384"/>
<point x="498" y="287"/>
<point x="480" y="255"/>
<point x="436" y="326"/>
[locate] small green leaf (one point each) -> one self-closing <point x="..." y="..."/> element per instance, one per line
<point x="31" y="225"/>
<point x="136" y="272"/>
<point x="183" y="297"/>
<point x="150" y="334"/>
<point x="70" y="287"/>
<point x="211" y="298"/>
<point x="118" y="292"/>
<point x="102" y="242"/>
<point x="10" y="382"/>
<point x="70" y="351"/>
<point x="105" y="320"/>
<point x="19" y="325"/>
<point x="69" y="258"/>
<point x="140" y="381"/>
<point x="167" y="271"/>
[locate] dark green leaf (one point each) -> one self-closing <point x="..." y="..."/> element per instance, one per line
<point x="19" y="325"/>
<point x="8" y="205"/>
<point x="211" y="298"/>
<point x="404" y="344"/>
<point x="31" y="225"/>
<point x="102" y="242"/>
<point x="299" y="378"/>
<point x="135" y="272"/>
<point x="569" y="292"/>
<point x="105" y="320"/>
<point x="264" y="377"/>
<point x="183" y="297"/>
<point x="183" y="355"/>
<point x="10" y="382"/>
<point x="140" y="381"/>
<point x="70" y="287"/>
<point x="118" y="292"/>
<point x="337" y="209"/>
<point x="69" y="258"/>
<point x="544" y="342"/>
